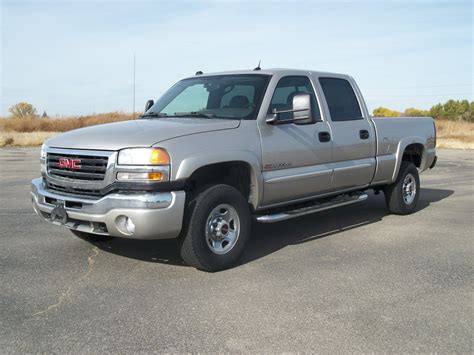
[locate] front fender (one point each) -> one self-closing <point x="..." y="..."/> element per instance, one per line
<point x="190" y="164"/>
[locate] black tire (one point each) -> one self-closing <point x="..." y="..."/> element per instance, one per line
<point x="90" y="236"/>
<point x="397" y="201"/>
<point x="195" y="245"/>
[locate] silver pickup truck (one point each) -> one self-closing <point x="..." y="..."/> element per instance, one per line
<point x="218" y="150"/>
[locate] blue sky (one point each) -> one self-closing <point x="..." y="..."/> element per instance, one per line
<point x="76" y="57"/>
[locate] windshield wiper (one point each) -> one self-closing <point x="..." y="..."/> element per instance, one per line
<point x="195" y="113"/>
<point x="202" y="114"/>
<point x="153" y="114"/>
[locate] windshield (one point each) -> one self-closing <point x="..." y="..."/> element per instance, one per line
<point x="220" y="96"/>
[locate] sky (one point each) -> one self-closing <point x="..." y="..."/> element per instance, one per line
<point x="76" y="57"/>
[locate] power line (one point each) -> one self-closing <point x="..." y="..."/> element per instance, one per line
<point x="423" y="95"/>
<point x="420" y="86"/>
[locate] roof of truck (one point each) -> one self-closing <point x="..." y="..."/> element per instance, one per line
<point x="272" y="71"/>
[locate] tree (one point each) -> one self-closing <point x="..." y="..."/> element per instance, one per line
<point x="414" y="112"/>
<point x="22" y="109"/>
<point x="436" y="111"/>
<point x="385" y="112"/>
<point x="44" y="115"/>
<point x="461" y="110"/>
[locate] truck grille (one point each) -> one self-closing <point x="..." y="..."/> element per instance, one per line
<point x="77" y="167"/>
<point x="74" y="190"/>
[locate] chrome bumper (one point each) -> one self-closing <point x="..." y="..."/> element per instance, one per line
<point x="155" y="215"/>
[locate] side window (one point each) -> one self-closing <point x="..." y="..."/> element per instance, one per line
<point x="286" y="89"/>
<point x="341" y="99"/>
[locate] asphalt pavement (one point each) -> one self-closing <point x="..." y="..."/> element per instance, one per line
<point x="352" y="279"/>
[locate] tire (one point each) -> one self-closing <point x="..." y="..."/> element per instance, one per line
<point x="216" y="228"/>
<point x="403" y="195"/>
<point x="90" y="236"/>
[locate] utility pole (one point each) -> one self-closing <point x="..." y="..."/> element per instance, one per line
<point x="133" y="114"/>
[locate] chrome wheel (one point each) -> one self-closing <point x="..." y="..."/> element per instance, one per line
<point x="409" y="189"/>
<point x="222" y="229"/>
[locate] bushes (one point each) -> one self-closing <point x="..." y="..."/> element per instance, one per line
<point x="456" y="110"/>
<point x="452" y="110"/>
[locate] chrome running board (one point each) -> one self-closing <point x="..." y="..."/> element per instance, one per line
<point x="337" y="202"/>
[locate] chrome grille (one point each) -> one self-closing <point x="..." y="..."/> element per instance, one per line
<point x="91" y="168"/>
<point x="74" y="190"/>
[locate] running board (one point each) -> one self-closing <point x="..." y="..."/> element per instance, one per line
<point x="337" y="202"/>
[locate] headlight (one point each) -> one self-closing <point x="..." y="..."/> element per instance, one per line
<point x="43" y="158"/>
<point x="143" y="164"/>
<point x="143" y="156"/>
<point x="43" y="151"/>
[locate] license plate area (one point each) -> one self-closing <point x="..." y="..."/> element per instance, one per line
<point x="68" y="204"/>
<point x="59" y="214"/>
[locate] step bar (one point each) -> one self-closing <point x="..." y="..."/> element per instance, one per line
<point x="317" y="207"/>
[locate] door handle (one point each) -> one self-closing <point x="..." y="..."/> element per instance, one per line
<point x="364" y="134"/>
<point x="324" y="137"/>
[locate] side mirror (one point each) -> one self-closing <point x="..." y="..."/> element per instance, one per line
<point x="149" y="104"/>
<point x="302" y="108"/>
<point x="301" y="111"/>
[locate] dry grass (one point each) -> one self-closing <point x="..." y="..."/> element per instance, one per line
<point x="24" y="139"/>
<point x="33" y="131"/>
<point x="455" y="134"/>
<point x="33" y="124"/>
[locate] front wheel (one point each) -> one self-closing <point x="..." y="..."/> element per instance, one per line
<point x="403" y="195"/>
<point x="216" y="228"/>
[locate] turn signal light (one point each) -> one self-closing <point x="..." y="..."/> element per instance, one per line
<point x="156" y="176"/>
<point x="159" y="157"/>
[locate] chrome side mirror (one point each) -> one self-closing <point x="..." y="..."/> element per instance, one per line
<point x="301" y="111"/>
<point x="302" y="108"/>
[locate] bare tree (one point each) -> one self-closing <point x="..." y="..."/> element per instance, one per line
<point x="22" y="109"/>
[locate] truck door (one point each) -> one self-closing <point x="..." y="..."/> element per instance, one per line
<point x="352" y="134"/>
<point x="295" y="157"/>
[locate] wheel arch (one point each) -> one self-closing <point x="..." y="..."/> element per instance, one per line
<point x="410" y="149"/>
<point x="240" y="170"/>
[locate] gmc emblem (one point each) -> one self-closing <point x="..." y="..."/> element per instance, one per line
<point x="66" y="163"/>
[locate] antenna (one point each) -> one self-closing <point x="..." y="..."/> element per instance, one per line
<point x="133" y="112"/>
<point x="258" y="66"/>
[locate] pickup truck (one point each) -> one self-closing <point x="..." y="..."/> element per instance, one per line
<point x="219" y="150"/>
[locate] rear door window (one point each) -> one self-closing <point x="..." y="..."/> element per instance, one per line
<point x="341" y="99"/>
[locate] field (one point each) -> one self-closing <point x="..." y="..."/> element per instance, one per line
<point x="27" y="132"/>
<point x="455" y="134"/>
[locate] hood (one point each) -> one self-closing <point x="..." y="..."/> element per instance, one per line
<point x="137" y="133"/>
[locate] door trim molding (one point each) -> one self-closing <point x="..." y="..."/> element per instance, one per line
<point x="298" y="176"/>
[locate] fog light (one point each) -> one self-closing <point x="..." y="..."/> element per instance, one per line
<point x="125" y="225"/>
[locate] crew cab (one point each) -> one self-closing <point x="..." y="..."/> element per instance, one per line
<point x="218" y="150"/>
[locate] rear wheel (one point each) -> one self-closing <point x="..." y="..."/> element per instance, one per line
<point x="403" y="195"/>
<point x="216" y="228"/>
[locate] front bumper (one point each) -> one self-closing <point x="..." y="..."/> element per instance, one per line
<point x="155" y="215"/>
